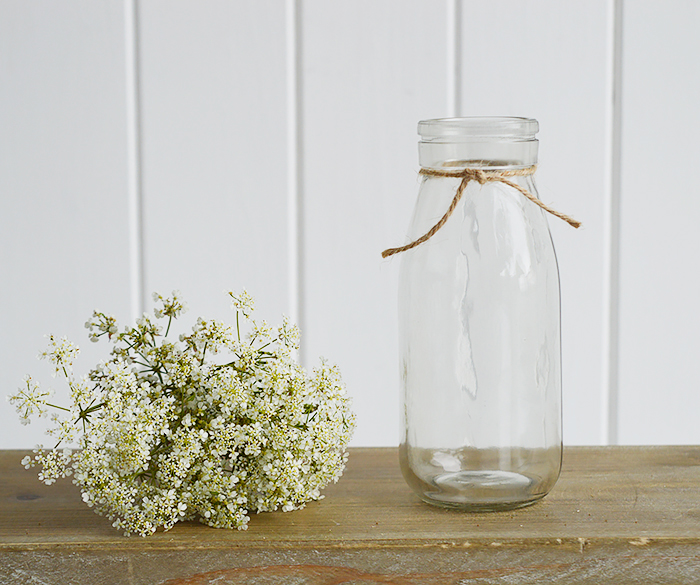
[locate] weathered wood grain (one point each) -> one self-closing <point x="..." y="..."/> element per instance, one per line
<point x="618" y="514"/>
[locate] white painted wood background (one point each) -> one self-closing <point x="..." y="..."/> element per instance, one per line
<point x="211" y="145"/>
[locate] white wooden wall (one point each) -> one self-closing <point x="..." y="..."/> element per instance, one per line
<point x="270" y="144"/>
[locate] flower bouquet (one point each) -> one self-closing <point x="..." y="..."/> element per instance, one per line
<point x="213" y="425"/>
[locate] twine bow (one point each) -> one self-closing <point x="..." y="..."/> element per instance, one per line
<point x="482" y="177"/>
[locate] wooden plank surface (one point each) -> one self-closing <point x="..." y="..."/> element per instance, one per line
<point x="616" y="515"/>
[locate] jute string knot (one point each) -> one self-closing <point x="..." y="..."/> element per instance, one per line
<point x="482" y="177"/>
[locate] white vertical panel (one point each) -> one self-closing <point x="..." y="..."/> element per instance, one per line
<point x="214" y="128"/>
<point x="660" y="245"/>
<point x="546" y="59"/>
<point x="372" y="69"/>
<point x="63" y="207"/>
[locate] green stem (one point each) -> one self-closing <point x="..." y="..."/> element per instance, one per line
<point x="90" y="409"/>
<point x="233" y="366"/>
<point x="167" y="329"/>
<point x="56" y="406"/>
<point x="264" y="346"/>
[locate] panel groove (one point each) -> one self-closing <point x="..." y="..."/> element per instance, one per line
<point x="134" y="162"/>
<point x="454" y="57"/>
<point x="295" y="208"/>
<point x="610" y="398"/>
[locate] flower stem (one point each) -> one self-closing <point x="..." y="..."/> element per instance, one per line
<point x="56" y="406"/>
<point x="204" y="349"/>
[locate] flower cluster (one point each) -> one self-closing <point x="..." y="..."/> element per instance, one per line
<point x="211" y="426"/>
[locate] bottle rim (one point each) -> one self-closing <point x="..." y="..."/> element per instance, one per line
<point x="478" y="128"/>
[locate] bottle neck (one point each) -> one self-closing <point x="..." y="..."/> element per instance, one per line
<point x="492" y="154"/>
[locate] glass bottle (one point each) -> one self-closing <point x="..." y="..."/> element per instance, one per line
<point x="479" y="325"/>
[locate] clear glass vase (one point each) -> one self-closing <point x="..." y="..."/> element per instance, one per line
<point x="479" y="319"/>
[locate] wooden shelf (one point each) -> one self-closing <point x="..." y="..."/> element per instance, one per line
<point x="617" y="514"/>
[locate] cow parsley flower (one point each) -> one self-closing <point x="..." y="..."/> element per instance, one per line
<point x="212" y="426"/>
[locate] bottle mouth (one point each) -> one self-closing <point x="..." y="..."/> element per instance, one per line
<point x="478" y="129"/>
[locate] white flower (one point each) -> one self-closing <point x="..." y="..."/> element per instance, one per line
<point x="61" y="353"/>
<point x="243" y="303"/>
<point x="30" y="400"/>
<point x="172" y="306"/>
<point x="104" y="324"/>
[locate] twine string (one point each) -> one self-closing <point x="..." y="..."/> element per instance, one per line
<point x="482" y="177"/>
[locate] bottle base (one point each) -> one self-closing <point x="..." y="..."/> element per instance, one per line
<point x="480" y="480"/>
<point x="481" y="491"/>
